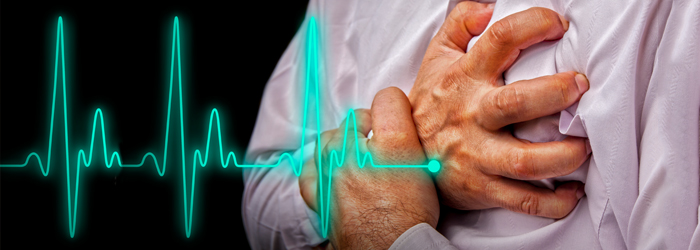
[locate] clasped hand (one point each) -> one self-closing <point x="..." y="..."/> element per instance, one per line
<point x="461" y="111"/>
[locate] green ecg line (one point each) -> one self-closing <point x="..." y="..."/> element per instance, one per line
<point x="312" y="76"/>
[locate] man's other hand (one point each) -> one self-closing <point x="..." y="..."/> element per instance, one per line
<point x="461" y="109"/>
<point x="371" y="207"/>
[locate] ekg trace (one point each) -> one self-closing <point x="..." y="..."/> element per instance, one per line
<point x="199" y="157"/>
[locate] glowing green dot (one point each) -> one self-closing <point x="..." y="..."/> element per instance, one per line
<point x="434" y="166"/>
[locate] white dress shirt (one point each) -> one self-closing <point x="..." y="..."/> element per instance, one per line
<point x="641" y="115"/>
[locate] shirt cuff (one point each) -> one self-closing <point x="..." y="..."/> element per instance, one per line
<point x="421" y="236"/>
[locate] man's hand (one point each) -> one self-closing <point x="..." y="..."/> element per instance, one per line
<point x="372" y="207"/>
<point x="461" y="108"/>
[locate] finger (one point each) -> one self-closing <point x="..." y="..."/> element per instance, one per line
<point x="395" y="138"/>
<point x="308" y="184"/>
<point x="525" y="198"/>
<point x="360" y="119"/>
<point x="529" y="99"/>
<point x="308" y="179"/>
<point x="466" y="20"/>
<point x="323" y="168"/>
<point x="319" y="157"/>
<point x="322" y="162"/>
<point x="500" y="45"/>
<point x="350" y="140"/>
<point x="535" y="161"/>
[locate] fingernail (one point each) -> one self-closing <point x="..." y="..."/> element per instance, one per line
<point x="588" y="147"/>
<point x="564" y="22"/>
<point x="580" y="192"/>
<point x="491" y="5"/>
<point x="582" y="83"/>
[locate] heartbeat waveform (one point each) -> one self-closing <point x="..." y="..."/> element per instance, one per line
<point x="312" y="80"/>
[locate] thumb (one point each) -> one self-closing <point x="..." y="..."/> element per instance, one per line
<point x="395" y="138"/>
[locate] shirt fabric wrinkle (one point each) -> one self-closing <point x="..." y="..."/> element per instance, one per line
<point x="641" y="115"/>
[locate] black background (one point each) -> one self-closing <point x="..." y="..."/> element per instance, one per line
<point x="118" y="56"/>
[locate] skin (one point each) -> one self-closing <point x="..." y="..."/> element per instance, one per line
<point x="371" y="207"/>
<point x="462" y="109"/>
<point x="456" y="113"/>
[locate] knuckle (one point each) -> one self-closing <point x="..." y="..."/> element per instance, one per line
<point x="491" y="191"/>
<point x="564" y="86"/>
<point x="462" y="10"/>
<point x="326" y="150"/>
<point x="454" y="25"/>
<point x="455" y="14"/>
<point x="333" y="145"/>
<point x="395" y="136"/>
<point x="322" y="143"/>
<point x="462" y="7"/>
<point x="508" y="102"/>
<point x="394" y="146"/>
<point x="501" y="33"/>
<point x="361" y="114"/>
<point x="388" y="92"/>
<point x="571" y="163"/>
<point x="521" y="163"/>
<point x="326" y="135"/>
<point x="529" y="204"/>
<point x="425" y="120"/>
<point x="545" y="18"/>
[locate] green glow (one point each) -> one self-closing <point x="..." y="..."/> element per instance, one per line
<point x="199" y="158"/>
<point x="434" y="166"/>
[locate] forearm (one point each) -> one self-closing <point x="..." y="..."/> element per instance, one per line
<point x="378" y="225"/>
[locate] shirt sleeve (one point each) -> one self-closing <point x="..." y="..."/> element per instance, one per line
<point x="665" y="212"/>
<point x="274" y="213"/>
<point x="422" y="236"/>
